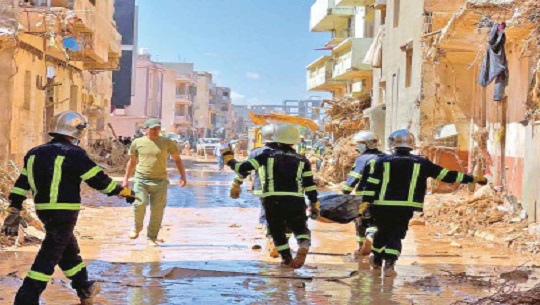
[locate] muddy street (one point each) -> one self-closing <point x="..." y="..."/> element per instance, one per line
<point x="215" y="253"/>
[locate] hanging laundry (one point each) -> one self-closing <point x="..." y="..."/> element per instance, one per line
<point x="374" y="54"/>
<point x="495" y="65"/>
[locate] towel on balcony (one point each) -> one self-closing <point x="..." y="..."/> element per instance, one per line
<point x="495" y="65"/>
<point x="374" y="54"/>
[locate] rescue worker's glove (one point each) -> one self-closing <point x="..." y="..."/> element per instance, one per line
<point x="480" y="180"/>
<point x="227" y="155"/>
<point x="129" y="194"/>
<point x="315" y="210"/>
<point x="12" y="222"/>
<point x="235" y="190"/>
<point x="364" y="206"/>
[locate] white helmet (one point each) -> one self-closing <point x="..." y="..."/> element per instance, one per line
<point x="286" y="134"/>
<point x="267" y="131"/>
<point x="368" y="137"/>
<point x="402" y="138"/>
<point x="68" y="123"/>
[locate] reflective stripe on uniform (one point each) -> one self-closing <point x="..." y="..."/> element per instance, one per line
<point x="19" y="191"/>
<point x="58" y="206"/>
<point x="38" y="276"/>
<point x="310" y="188"/>
<point x="57" y="176"/>
<point x="460" y="177"/>
<point x="239" y="178"/>
<point x="299" y="175"/>
<point x="71" y="272"/>
<point x="30" y="171"/>
<point x="346" y="188"/>
<point x="254" y="163"/>
<point x="257" y="192"/>
<point x="399" y="203"/>
<point x="359" y="193"/>
<point x="303" y="236"/>
<point x="270" y="170"/>
<point x="414" y="180"/>
<point x="373" y="180"/>
<point x="386" y="179"/>
<point x="307" y="174"/>
<point x="237" y="167"/>
<point x="391" y="251"/>
<point x="282" y="247"/>
<point x="267" y="194"/>
<point x="360" y="239"/>
<point x="442" y="174"/>
<point x="371" y="230"/>
<point x="23" y="172"/>
<point x="368" y="193"/>
<point x="91" y="173"/>
<point x="109" y="187"/>
<point x="262" y="178"/>
<point x="372" y="166"/>
<point x="378" y="250"/>
<point x="355" y="175"/>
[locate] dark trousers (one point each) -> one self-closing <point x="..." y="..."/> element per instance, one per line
<point x="262" y="220"/>
<point x="58" y="248"/>
<point x="392" y="225"/>
<point x="286" y="212"/>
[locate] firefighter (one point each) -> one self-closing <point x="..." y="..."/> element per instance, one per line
<point x="366" y="143"/>
<point x="302" y="146"/>
<point x="394" y="190"/>
<point x="53" y="172"/>
<point x="287" y="176"/>
<point x="267" y="132"/>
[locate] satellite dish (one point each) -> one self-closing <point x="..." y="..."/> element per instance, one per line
<point x="71" y="44"/>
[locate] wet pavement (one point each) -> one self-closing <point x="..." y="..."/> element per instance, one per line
<point x="208" y="258"/>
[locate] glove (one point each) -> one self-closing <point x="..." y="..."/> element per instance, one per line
<point x="362" y="208"/>
<point x="480" y="180"/>
<point x="235" y="190"/>
<point x="129" y="194"/>
<point x="12" y="222"/>
<point x="227" y="154"/>
<point x="315" y="210"/>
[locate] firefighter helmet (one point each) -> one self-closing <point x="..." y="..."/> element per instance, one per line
<point x="402" y="138"/>
<point x="368" y="137"/>
<point x="286" y="134"/>
<point x="68" y="123"/>
<point x="267" y="131"/>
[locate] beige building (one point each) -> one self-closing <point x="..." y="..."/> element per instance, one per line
<point x="178" y="114"/>
<point x="201" y="111"/>
<point x="48" y="66"/>
<point x="149" y="96"/>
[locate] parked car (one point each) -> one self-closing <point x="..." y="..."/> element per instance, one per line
<point x="207" y="146"/>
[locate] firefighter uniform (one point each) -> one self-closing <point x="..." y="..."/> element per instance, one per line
<point x="395" y="189"/>
<point x="54" y="172"/>
<point x="285" y="177"/>
<point x="302" y="148"/>
<point x="356" y="180"/>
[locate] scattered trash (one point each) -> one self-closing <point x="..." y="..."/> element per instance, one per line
<point x="256" y="247"/>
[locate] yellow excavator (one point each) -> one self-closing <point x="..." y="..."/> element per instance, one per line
<point x="254" y="133"/>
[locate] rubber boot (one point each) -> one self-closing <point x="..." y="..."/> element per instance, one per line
<point x="365" y="248"/>
<point x="389" y="268"/>
<point x="272" y="250"/>
<point x="86" y="295"/>
<point x="286" y="261"/>
<point x="376" y="263"/>
<point x="301" y="255"/>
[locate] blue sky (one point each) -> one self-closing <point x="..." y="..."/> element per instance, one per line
<point x="258" y="48"/>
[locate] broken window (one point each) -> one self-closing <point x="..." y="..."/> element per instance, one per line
<point x="408" y="68"/>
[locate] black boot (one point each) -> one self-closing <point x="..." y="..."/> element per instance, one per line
<point x="286" y="261"/>
<point x="86" y="295"/>
<point x="376" y="262"/>
<point x="389" y="268"/>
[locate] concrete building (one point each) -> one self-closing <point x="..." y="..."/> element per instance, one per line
<point x="243" y="123"/>
<point x="178" y="115"/>
<point x="125" y="16"/>
<point x="148" y="99"/>
<point x="48" y="65"/>
<point x="201" y="111"/>
<point x="303" y="108"/>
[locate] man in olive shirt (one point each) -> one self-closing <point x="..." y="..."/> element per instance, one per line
<point x="149" y="156"/>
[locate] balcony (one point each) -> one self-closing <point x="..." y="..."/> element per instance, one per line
<point x="319" y="75"/>
<point x="325" y="16"/>
<point x="348" y="57"/>
<point x="182" y="119"/>
<point x="184" y="98"/>
<point x="354" y="2"/>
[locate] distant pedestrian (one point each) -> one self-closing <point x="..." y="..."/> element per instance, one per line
<point x="149" y="160"/>
<point x="302" y="146"/>
<point x="217" y="152"/>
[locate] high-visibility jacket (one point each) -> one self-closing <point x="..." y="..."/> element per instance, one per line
<point x="359" y="171"/>
<point x="401" y="180"/>
<point x="54" y="172"/>
<point x="302" y="148"/>
<point x="257" y="181"/>
<point x="286" y="173"/>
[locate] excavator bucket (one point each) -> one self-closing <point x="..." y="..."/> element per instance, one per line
<point x="263" y="119"/>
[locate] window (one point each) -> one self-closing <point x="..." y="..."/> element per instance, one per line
<point x="397" y="4"/>
<point x="181" y="89"/>
<point x="408" y="69"/>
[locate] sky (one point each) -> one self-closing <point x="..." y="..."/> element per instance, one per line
<point x="258" y="48"/>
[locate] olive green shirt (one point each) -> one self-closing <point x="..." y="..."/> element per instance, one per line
<point x="152" y="157"/>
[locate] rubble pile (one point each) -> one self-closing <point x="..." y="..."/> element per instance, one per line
<point x="486" y="216"/>
<point x="109" y="154"/>
<point x="346" y="116"/>
<point x="337" y="165"/>
<point x="8" y="18"/>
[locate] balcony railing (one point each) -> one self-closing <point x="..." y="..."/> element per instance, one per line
<point x="325" y="16"/>
<point x="184" y="97"/>
<point x="319" y="75"/>
<point x="348" y="57"/>
<point x="354" y="2"/>
<point x="182" y="119"/>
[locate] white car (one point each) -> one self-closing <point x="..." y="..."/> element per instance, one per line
<point x="206" y="146"/>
